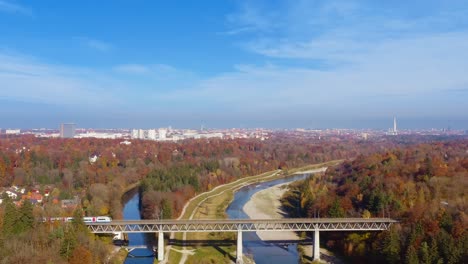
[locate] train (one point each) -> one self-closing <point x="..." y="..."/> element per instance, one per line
<point x="87" y="219"/>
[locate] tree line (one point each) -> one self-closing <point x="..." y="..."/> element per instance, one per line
<point x="424" y="186"/>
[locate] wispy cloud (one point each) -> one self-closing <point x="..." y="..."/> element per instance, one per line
<point x="13" y="7"/>
<point x="153" y="69"/>
<point x="251" y="19"/>
<point x="30" y="80"/>
<point x="401" y="76"/>
<point x="132" y="69"/>
<point x="330" y="30"/>
<point x="94" y="44"/>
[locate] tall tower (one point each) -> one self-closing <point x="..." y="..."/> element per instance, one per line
<point x="394" y="126"/>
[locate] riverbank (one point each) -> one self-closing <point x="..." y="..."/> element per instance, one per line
<point x="266" y="204"/>
<point x="212" y="205"/>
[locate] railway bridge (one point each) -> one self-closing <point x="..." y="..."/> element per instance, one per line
<point x="315" y="225"/>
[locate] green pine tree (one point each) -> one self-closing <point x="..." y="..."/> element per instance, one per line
<point x="166" y="209"/>
<point x="392" y="247"/>
<point x="425" y="256"/>
<point x="69" y="243"/>
<point x="335" y="210"/>
<point x="434" y="251"/>
<point x="411" y="256"/>
<point x="10" y="218"/>
<point x="26" y="217"/>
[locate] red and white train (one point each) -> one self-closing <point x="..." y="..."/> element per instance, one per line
<point x="87" y="219"/>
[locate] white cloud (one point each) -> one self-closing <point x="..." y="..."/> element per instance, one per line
<point x="250" y="18"/>
<point x="10" y="7"/>
<point x="132" y="69"/>
<point x="335" y="30"/>
<point x="412" y="75"/>
<point x="153" y="69"/>
<point x="94" y="44"/>
<point x="27" y="79"/>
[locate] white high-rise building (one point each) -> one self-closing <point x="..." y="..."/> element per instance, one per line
<point x="152" y="134"/>
<point x="135" y="133"/>
<point x="141" y="134"/>
<point x="162" y="133"/>
<point x="67" y="130"/>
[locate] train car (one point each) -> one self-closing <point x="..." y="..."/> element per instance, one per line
<point x="97" y="219"/>
<point x="103" y="219"/>
<point x="87" y="219"/>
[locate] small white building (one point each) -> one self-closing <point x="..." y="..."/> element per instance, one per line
<point x="93" y="158"/>
<point x="126" y="142"/>
<point x="12" y="195"/>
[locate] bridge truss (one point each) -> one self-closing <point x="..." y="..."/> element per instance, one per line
<point x="296" y="224"/>
<point x="246" y="225"/>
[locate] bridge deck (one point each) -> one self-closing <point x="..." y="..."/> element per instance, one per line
<point x="291" y="224"/>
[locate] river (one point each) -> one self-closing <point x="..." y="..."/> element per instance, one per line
<point x="131" y="211"/>
<point x="260" y="251"/>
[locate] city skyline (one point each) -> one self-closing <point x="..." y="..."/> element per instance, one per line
<point x="272" y="64"/>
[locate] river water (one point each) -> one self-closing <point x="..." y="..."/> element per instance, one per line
<point x="131" y="211"/>
<point x="262" y="253"/>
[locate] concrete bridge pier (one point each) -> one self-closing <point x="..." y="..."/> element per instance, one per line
<point x="316" y="245"/>
<point x="239" y="259"/>
<point x="160" y="246"/>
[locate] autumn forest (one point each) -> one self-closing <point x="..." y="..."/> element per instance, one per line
<point x="421" y="181"/>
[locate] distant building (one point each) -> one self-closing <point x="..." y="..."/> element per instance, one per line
<point x="162" y="133"/>
<point x="12" y="131"/>
<point x="393" y="131"/>
<point x="12" y="195"/>
<point x="93" y="158"/>
<point x="141" y="134"/>
<point x="70" y="203"/>
<point x="135" y="133"/>
<point x="365" y="136"/>
<point x="152" y="134"/>
<point x="67" y="130"/>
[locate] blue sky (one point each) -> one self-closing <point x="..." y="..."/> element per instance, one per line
<point x="277" y="64"/>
